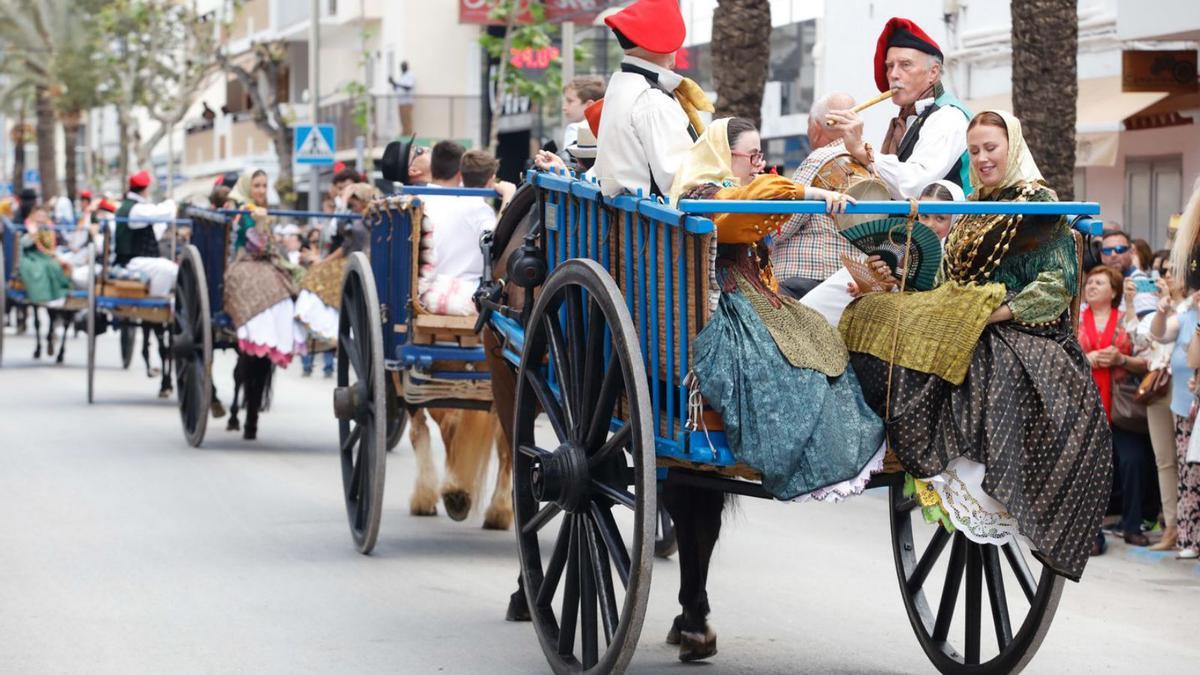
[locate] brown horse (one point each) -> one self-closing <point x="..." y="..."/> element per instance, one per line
<point x="467" y="436"/>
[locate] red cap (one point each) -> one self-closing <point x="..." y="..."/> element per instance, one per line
<point x="106" y="205"/>
<point x="338" y="166"/>
<point x="654" y="25"/>
<point x="139" y="180"/>
<point x="899" y="32"/>
<point x="592" y="114"/>
<point x="85" y="194"/>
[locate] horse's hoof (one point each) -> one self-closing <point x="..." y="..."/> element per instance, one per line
<point x="497" y="519"/>
<point x="250" y="433"/>
<point x="165" y="392"/>
<point x="153" y="372"/>
<point x="423" y="503"/>
<point x="518" y="608"/>
<point x="673" y="634"/>
<point x="421" y="509"/>
<point x="697" y="646"/>
<point x="233" y="424"/>
<point x="458" y="505"/>
<point x="218" y="410"/>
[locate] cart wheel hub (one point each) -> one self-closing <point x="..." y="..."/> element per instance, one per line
<point x="183" y="346"/>
<point x="562" y="478"/>
<point x="348" y="402"/>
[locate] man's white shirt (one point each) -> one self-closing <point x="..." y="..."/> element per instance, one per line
<point x="643" y="132"/>
<point x="458" y="223"/>
<point x="145" y="214"/>
<point x="942" y="141"/>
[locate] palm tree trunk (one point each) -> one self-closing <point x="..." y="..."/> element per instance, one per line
<point x="47" y="148"/>
<point x="1045" y="43"/>
<point x="743" y="29"/>
<point x="18" y="141"/>
<point x="123" y="149"/>
<point x="71" y="124"/>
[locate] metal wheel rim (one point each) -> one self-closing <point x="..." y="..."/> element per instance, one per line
<point x="360" y="353"/>
<point x="979" y="568"/>
<point x="585" y="552"/>
<point x="191" y="316"/>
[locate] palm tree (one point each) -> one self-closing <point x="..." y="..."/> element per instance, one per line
<point x="15" y="96"/>
<point x="1045" y="42"/>
<point x="51" y="50"/>
<point x="741" y="40"/>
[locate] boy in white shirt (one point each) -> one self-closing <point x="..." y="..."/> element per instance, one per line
<point x="451" y="260"/>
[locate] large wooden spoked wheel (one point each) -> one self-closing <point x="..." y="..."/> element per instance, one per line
<point x="191" y="345"/>
<point x="128" y="340"/>
<point x="931" y="567"/>
<point x="91" y="323"/>
<point x="597" y="487"/>
<point x="359" y="402"/>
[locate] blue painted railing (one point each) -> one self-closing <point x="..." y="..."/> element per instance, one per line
<point x="653" y="249"/>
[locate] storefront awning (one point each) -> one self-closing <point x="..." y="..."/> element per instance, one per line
<point x="1100" y="112"/>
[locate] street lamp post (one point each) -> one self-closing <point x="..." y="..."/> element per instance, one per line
<point x="314" y="95"/>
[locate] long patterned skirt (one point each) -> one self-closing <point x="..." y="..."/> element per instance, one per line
<point x="1189" y="488"/>
<point x="1029" y="412"/>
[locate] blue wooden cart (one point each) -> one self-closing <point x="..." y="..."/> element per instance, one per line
<point x="12" y="291"/>
<point x="393" y="356"/>
<point x="603" y="353"/>
<point x="124" y="304"/>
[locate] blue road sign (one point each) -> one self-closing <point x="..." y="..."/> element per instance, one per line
<point x="314" y="144"/>
<point x="33" y="177"/>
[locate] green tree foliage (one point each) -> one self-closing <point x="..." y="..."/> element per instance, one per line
<point x="534" y="35"/>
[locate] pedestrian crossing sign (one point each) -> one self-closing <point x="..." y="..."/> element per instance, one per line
<point x="314" y="144"/>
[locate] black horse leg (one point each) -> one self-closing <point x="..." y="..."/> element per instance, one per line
<point x="239" y="378"/>
<point x="697" y="516"/>
<point x="165" y="389"/>
<point x="37" y="333"/>
<point x="51" y="319"/>
<point x="62" y="345"/>
<point x="256" y="385"/>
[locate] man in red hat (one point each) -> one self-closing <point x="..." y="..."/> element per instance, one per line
<point x="928" y="140"/>
<point x="136" y="241"/>
<point x="645" y="129"/>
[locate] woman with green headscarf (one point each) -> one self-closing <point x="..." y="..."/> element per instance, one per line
<point x="981" y="381"/>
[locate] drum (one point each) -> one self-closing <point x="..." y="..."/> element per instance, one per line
<point x="841" y="173"/>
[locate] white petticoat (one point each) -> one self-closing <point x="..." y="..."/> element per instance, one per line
<point x="273" y="333"/>
<point x="320" y="319"/>
<point x="831" y="297"/>
<point x="974" y="512"/>
<point x="847" y="488"/>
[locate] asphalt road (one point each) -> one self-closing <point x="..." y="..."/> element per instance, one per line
<point x="123" y="550"/>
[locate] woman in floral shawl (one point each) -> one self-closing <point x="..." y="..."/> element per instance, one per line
<point x="775" y="370"/>
<point x="981" y="381"/>
<point x="258" y="299"/>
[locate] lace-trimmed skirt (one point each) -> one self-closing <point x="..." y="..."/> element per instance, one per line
<point x="1028" y="411"/>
